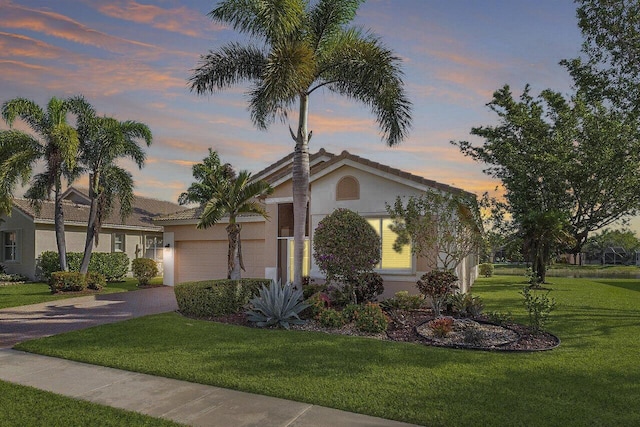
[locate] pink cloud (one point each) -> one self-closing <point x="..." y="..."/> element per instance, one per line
<point x="179" y="20"/>
<point x="61" y="26"/>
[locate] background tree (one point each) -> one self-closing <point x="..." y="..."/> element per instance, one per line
<point x="622" y="238"/>
<point x="440" y="226"/>
<point x="207" y="175"/>
<point x="104" y="140"/>
<point x="234" y="197"/>
<point x="610" y="70"/>
<point x="58" y="146"/>
<point x="560" y="158"/>
<point x="301" y="47"/>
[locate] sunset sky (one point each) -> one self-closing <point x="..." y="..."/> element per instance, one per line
<point x="132" y="60"/>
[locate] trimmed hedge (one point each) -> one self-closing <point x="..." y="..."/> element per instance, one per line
<point x="73" y="281"/>
<point x="113" y="266"/>
<point x="216" y="297"/>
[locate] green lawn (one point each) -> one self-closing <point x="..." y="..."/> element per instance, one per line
<point x="593" y="378"/>
<point x="27" y="407"/>
<point x="33" y="293"/>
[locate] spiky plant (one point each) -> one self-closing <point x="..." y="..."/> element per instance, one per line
<point x="277" y="305"/>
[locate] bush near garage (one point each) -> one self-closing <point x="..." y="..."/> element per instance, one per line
<point x="216" y="297"/>
<point x="144" y="269"/>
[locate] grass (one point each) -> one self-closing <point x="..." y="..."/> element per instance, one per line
<point x="33" y="293"/>
<point x="27" y="407"/>
<point x="593" y="378"/>
<point x="568" y="270"/>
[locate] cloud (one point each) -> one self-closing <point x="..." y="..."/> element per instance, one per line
<point x="12" y="45"/>
<point x="180" y="20"/>
<point x="61" y="26"/>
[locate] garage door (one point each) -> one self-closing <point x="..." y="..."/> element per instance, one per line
<point x="207" y="259"/>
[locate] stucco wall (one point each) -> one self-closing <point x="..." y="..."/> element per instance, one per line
<point x="23" y="225"/>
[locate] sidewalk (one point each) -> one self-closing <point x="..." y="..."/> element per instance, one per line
<point x="180" y="401"/>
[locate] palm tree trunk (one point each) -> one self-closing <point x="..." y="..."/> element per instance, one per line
<point x="234" y="263"/>
<point x="59" y="227"/>
<point x="91" y="224"/>
<point x="300" y="190"/>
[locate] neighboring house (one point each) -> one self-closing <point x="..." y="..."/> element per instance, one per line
<point x="344" y="181"/>
<point x="27" y="233"/>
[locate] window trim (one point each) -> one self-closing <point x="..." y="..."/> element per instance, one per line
<point x="124" y="242"/>
<point x="17" y="246"/>
<point x="156" y="249"/>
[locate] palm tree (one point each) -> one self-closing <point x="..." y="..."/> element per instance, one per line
<point x="58" y="146"/>
<point x="207" y="175"/>
<point x="234" y="197"/>
<point x="104" y="140"/>
<point x="299" y="49"/>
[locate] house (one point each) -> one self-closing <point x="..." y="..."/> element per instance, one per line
<point x="26" y="233"/>
<point x="336" y="181"/>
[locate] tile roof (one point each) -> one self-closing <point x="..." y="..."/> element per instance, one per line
<point x="144" y="210"/>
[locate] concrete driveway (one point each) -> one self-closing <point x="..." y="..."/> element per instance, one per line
<point x="19" y="324"/>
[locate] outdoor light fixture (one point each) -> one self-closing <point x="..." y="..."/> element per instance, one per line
<point x="168" y="245"/>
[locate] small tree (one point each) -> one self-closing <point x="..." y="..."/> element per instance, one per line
<point x="442" y="227"/>
<point x="345" y="246"/>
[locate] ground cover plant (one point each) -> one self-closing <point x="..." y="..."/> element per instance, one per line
<point x="28" y="407"/>
<point x="15" y="295"/>
<point x="592" y="378"/>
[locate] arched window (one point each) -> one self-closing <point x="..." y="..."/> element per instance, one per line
<point x="348" y="188"/>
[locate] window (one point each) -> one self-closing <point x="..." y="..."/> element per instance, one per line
<point x="348" y="188"/>
<point x="118" y="242"/>
<point x="153" y="248"/>
<point x="10" y="246"/>
<point x="391" y="260"/>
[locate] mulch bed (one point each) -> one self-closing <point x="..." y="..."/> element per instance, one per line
<point x="403" y="327"/>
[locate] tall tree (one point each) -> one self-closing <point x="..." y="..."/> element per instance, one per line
<point x="610" y="68"/>
<point x="58" y="146"/>
<point x="301" y="47"/>
<point x="573" y="160"/>
<point x="233" y="197"/>
<point x="105" y="140"/>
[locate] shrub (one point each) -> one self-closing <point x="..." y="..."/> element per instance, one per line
<point x="67" y="281"/>
<point x="3" y="270"/>
<point x="403" y="301"/>
<point x="500" y="318"/>
<point x="212" y="298"/>
<point x="330" y="318"/>
<point x="345" y="245"/>
<point x="437" y="285"/>
<point x="277" y="305"/>
<point x="441" y="326"/>
<point x="95" y="281"/>
<point x="539" y="306"/>
<point x="318" y="302"/>
<point x="4" y="277"/>
<point x="350" y="312"/>
<point x="144" y="269"/>
<point x="486" y="269"/>
<point x="473" y="336"/>
<point x="371" y="318"/>
<point x="114" y="266"/>
<point x="309" y="289"/>
<point x="466" y="305"/>
<point x="368" y="286"/>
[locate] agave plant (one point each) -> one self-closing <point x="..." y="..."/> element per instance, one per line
<point x="277" y="305"/>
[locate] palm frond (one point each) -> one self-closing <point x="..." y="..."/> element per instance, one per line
<point x="360" y="67"/>
<point x="230" y="65"/>
<point x="213" y="212"/>
<point x="267" y="19"/>
<point x="26" y="110"/>
<point x="116" y="182"/>
<point x="328" y="17"/>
